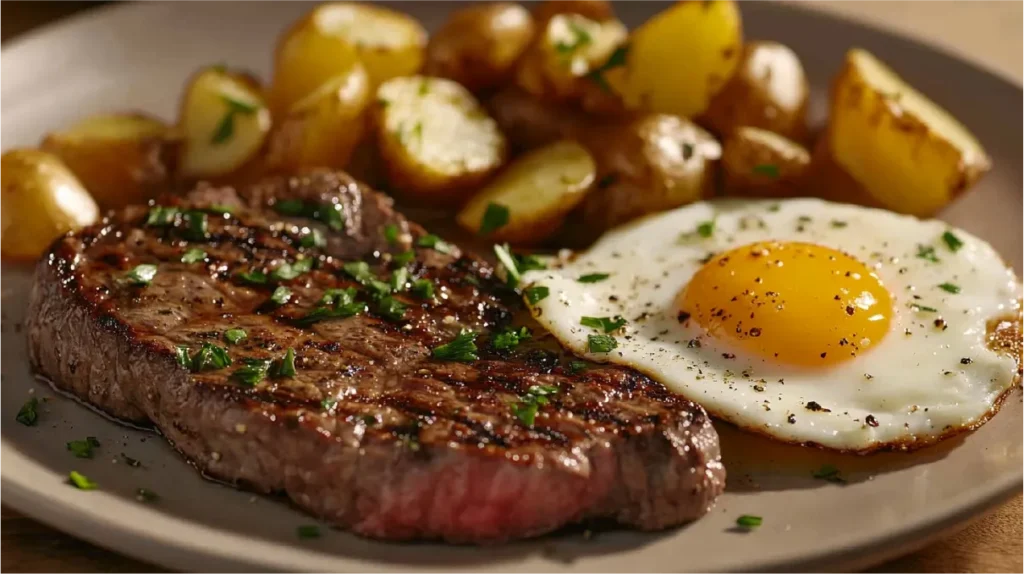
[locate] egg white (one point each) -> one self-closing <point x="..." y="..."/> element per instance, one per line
<point x="917" y="385"/>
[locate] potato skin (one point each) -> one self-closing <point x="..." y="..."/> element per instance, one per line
<point x="769" y="90"/>
<point x="119" y="158"/>
<point x="40" y="200"/>
<point x="528" y="122"/>
<point x="596" y="10"/>
<point x="478" y="46"/>
<point x="759" y="163"/>
<point x="646" y="165"/>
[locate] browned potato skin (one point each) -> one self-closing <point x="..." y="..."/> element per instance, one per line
<point x="742" y="154"/>
<point x="597" y="10"/>
<point x="827" y="180"/>
<point x="750" y="97"/>
<point x="478" y="46"/>
<point x="118" y="172"/>
<point x="528" y="122"/>
<point x="638" y="176"/>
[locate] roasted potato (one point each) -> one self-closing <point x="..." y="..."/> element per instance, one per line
<point x="906" y="151"/>
<point x="224" y="123"/>
<point x="41" y="200"/>
<point x="567" y="60"/>
<point x="760" y="163"/>
<point x="682" y="57"/>
<point x="436" y="140"/>
<point x="119" y="158"/>
<point x="528" y="122"/>
<point x="479" y="45"/>
<point x="825" y="179"/>
<point x="769" y="90"/>
<point x="323" y="129"/>
<point x="527" y="202"/>
<point x="596" y="10"/>
<point x="646" y="165"/>
<point x="332" y="37"/>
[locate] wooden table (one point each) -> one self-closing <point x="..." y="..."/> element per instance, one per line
<point x="986" y="32"/>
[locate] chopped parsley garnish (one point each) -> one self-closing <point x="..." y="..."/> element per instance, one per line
<point x="391" y="233"/>
<point x="767" y="170"/>
<point x="327" y="213"/>
<point x="293" y="207"/>
<point x="83" y="448"/>
<point x="193" y="255"/>
<point x="315" y="238"/>
<point x="434" y="242"/>
<point x="146" y="495"/>
<point x="331" y="215"/>
<point x="706" y="229"/>
<point x="576" y="366"/>
<point x="923" y="308"/>
<point x="687" y="148"/>
<point x="424" y="87"/>
<point x="338" y="296"/>
<point x="423" y="288"/>
<point x="358" y="270"/>
<point x="210" y="358"/>
<point x="235" y="335"/>
<point x="254" y="371"/>
<point x="28" y="414"/>
<point x="141" y="275"/>
<point x="615" y="60"/>
<point x="218" y="209"/>
<point x="181" y="354"/>
<point x="281" y="295"/>
<point x="198" y="226"/>
<point x="377" y="289"/>
<point x="399" y="279"/>
<point x="508" y="262"/>
<point x="391" y="308"/>
<point x="748" y="521"/>
<point x="462" y="348"/>
<point x="285" y="367"/>
<point x="308" y="531"/>
<point x="496" y="216"/>
<point x="510" y="338"/>
<point x="536" y="294"/>
<point x="607" y="324"/>
<point x="252" y="277"/>
<point x="580" y="39"/>
<point x="288" y="271"/>
<point x="226" y="128"/>
<point x="593" y="277"/>
<point x="403" y="258"/>
<point x="839" y="223"/>
<point x="927" y="252"/>
<point x="162" y="216"/>
<point x="952" y="241"/>
<point x="80" y="481"/>
<point x="529" y="263"/>
<point x="950" y="288"/>
<point x="335" y="304"/>
<point x="601" y="343"/>
<point x="828" y="472"/>
<point x="536" y="396"/>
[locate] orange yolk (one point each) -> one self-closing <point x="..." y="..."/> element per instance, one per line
<point x="792" y="303"/>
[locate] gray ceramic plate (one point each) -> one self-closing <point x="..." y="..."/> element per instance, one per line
<point x="138" y="57"/>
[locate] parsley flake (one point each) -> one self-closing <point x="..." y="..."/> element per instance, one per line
<point x="193" y="255"/>
<point x="423" y="288"/>
<point x="767" y="170"/>
<point x="593" y="277"/>
<point x="495" y="217"/>
<point x="927" y="252"/>
<point x="950" y="288"/>
<point x="314" y="238"/>
<point x="615" y="60"/>
<point x="601" y="343"/>
<point x="748" y="521"/>
<point x="235" y="335"/>
<point x="828" y="472"/>
<point x="536" y="293"/>
<point x="226" y="128"/>
<point x="281" y="295"/>
<point x="434" y="242"/>
<point x="462" y="348"/>
<point x="528" y="406"/>
<point x="254" y="371"/>
<point x="923" y="308"/>
<point x="252" y="277"/>
<point x="608" y="324"/>
<point x="141" y="275"/>
<point x="952" y="241"/>
<point x="83" y="448"/>
<point x="210" y="358"/>
<point x="391" y="308"/>
<point x="162" y="216"/>
<point x="706" y="229"/>
<point x="391" y="233"/>
<point x="285" y="367"/>
<point x="288" y="271"/>
<point x="80" y="481"/>
<point x="510" y="338"/>
<point x="28" y="414"/>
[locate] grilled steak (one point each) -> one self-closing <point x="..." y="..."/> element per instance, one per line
<point x="335" y="396"/>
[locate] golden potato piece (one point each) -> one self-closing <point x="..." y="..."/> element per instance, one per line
<point x="41" y="200"/>
<point x="436" y="140"/>
<point x="528" y="122"/>
<point x="479" y="45"/>
<point x="828" y="180"/>
<point x="306" y="58"/>
<point x="323" y="129"/>
<point x="119" y="158"/>
<point x="527" y="202"/>
<point x="906" y="151"/>
<point x="679" y="59"/>
<point x="564" y="63"/>
<point x="650" y="164"/>
<point x="596" y="10"/>
<point x="224" y="123"/>
<point x="769" y="91"/>
<point x="759" y="163"/>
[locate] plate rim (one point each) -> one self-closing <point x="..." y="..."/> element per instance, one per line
<point x="204" y="545"/>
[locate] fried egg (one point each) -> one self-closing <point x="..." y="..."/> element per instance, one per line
<point x="808" y="321"/>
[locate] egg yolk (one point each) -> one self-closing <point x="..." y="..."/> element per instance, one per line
<point x="788" y="302"/>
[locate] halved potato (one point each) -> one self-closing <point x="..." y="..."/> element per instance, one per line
<point x="565" y="61"/>
<point x="323" y="129"/>
<point x="596" y="10"/>
<point x="41" y="200"/>
<point x="224" y="123"/>
<point x="479" y="45"/>
<point x="436" y="140"/>
<point x="306" y="58"/>
<point x="760" y="163"/>
<point x="120" y="158"/>
<point x="389" y="43"/>
<point x="906" y="151"/>
<point x="527" y="202"/>
<point x="828" y="180"/>
<point x="769" y="90"/>
<point x="646" y="165"/>
<point x="679" y="59"/>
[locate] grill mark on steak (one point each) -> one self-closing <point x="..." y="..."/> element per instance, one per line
<point x="372" y="433"/>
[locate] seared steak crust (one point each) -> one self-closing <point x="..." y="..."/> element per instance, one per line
<point x="372" y="433"/>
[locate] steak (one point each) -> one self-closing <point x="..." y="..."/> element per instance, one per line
<point x="338" y="395"/>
